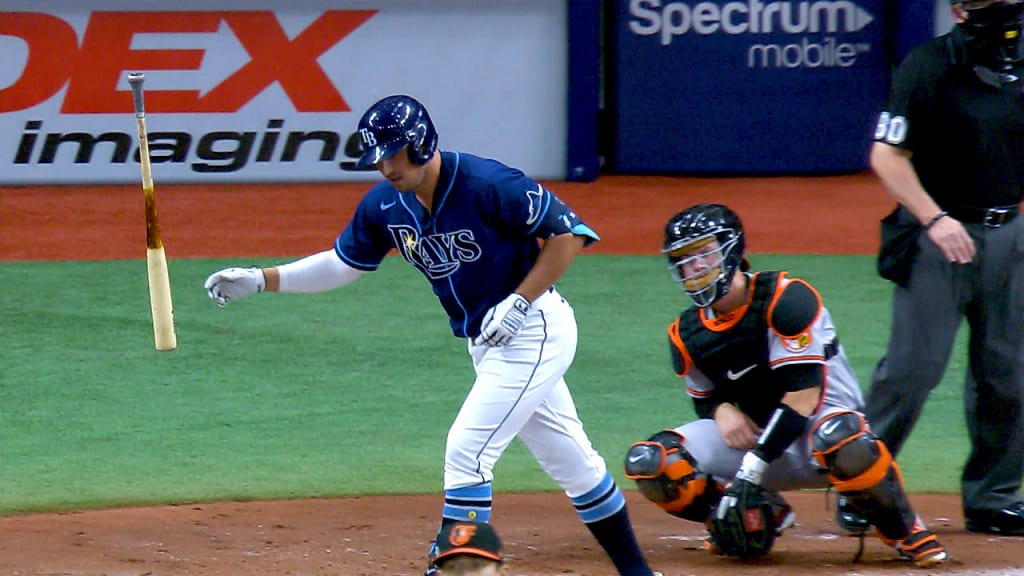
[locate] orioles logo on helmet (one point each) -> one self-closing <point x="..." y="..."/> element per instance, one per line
<point x="461" y="534"/>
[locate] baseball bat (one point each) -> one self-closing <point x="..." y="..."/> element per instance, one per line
<point x="156" y="258"/>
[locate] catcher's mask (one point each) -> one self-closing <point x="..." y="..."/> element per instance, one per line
<point x="704" y="246"/>
<point x="994" y="31"/>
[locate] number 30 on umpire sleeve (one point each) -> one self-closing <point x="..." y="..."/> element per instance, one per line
<point x="892" y="129"/>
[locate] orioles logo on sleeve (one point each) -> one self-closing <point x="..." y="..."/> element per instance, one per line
<point x="798" y="343"/>
<point x="461" y="534"/>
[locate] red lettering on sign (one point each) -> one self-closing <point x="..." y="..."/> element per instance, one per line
<point x="292" y="63"/>
<point x="97" y="68"/>
<point x="52" y="48"/>
<point x="106" y="56"/>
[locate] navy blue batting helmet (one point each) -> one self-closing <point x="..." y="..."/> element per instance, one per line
<point x="388" y="126"/>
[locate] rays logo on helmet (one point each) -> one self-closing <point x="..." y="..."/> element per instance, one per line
<point x="369" y="138"/>
<point x="389" y="125"/>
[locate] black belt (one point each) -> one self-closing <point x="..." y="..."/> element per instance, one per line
<point x="990" y="217"/>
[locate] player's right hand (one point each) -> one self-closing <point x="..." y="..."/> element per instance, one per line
<point x="503" y="321"/>
<point x="954" y="241"/>
<point x="737" y="429"/>
<point x="230" y="284"/>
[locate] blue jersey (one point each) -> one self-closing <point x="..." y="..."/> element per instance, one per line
<point x="475" y="246"/>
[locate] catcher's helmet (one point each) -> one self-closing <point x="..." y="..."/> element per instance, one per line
<point x="388" y="126"/>
<point x="717" y="228"/>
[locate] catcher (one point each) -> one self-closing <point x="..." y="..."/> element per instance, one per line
<point x="779" y="406"/>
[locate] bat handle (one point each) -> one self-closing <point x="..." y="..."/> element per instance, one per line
<point x="135" y="80"/>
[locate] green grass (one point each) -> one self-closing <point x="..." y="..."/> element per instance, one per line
<point x="345" y="393"/>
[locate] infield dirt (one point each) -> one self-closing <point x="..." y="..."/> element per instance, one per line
<point x="389" y="535"/>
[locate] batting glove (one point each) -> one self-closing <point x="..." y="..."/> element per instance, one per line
<point x="234" y="284"/>
<point x="503" y="321"/>
<point x="752" y="468"/>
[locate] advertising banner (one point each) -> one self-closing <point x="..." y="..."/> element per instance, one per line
<point x="746" y="86"/>
<point x="252" y="90"/>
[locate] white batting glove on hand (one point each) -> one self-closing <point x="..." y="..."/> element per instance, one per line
<point x="234" y="284"/>
<point x="502" y="322"/>
<point x="752" y="468"/>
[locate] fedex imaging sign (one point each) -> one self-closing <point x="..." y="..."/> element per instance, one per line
<point x="93" y="68"/>
<point x="268" y="91"/>
<point x="226" y="91"/>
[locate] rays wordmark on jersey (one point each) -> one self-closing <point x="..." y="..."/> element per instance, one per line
<point x="438" y="255"/>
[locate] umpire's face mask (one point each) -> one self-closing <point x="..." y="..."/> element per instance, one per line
<point x="994" y="33"/>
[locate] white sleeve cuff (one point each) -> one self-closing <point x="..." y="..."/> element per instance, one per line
<point x="317" y="273"/>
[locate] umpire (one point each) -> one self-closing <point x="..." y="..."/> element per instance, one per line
<point x="949" y="148"/>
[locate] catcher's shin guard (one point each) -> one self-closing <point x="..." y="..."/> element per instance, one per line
<point x="668" y="475"/>
<point x="862" y="469"/>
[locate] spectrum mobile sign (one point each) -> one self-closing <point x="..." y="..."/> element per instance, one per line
<point x="231" y="95"/>
<point x="812" y="27"/>
<point x="752" y="86"/>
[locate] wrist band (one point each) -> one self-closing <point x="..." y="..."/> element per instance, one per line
<point x="935" y="219"/>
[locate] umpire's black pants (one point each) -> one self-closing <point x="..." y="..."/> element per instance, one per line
<point x="989" y="293"/>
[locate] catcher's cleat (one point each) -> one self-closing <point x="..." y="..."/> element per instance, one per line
<point x="784" y="514"/>
<point x="711" y="546"/>
<point x="921" y="547"/>
<point x="849" y="519"/>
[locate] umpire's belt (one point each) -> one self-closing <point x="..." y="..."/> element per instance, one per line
<point x="990" y="217"/>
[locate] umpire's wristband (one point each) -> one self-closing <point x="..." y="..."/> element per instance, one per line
<point x="935" y="220"/>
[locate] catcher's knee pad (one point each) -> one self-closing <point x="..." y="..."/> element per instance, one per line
<point x="862" y="469"/>
<point x="668" y="475"/>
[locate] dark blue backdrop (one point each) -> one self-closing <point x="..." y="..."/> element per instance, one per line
<point x="758" y="100"/>
<point x="740" y="87"/>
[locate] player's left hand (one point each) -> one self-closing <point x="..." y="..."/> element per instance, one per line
<point x="502" y="322"/>
<point x="743" y="525"/>
<point x="745" y="486"/>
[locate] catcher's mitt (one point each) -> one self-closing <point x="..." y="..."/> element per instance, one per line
<point x="743" y="524"/>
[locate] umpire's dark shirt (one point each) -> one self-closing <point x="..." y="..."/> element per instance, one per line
<point x="966" y="135"/>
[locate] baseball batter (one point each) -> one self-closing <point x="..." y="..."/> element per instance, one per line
<point x="779" y="406"/>
<point x="492" y="243"/>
